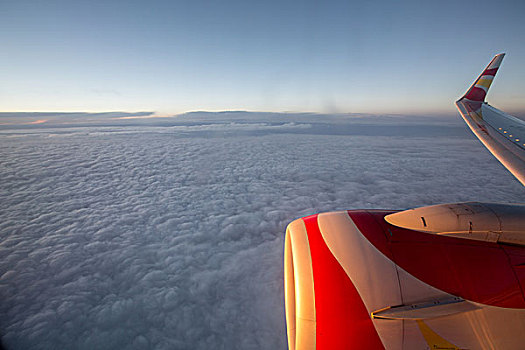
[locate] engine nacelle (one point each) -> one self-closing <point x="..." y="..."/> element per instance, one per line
<point x="375" y="279"/>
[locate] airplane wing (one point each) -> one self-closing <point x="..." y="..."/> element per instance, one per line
<point x="448" y="276"/>
<point x="502" y="134"/>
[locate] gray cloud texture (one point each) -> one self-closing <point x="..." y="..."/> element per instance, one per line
<point x="172" y="237"/>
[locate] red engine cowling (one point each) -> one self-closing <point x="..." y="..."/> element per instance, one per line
<point x="355" y="280"/>
<point x="323" y="308"/>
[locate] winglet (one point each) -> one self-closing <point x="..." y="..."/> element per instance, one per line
<point x="478" y="90"/>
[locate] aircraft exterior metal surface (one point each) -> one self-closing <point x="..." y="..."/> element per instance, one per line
<point x="449" y="276"/>
<point x="502" y="134"/>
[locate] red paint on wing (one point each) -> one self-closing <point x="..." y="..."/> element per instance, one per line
<point x="342" y="321"/>
<point x="476" y="94"/>
<point x="474" y="270"/>
<point x="490" y="71"/>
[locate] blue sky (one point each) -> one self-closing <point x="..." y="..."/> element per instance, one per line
<point x="330" y="56"/>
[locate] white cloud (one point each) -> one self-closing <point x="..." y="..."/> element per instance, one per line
<point x="172" y="237"/>
<point x="32" y="119"/>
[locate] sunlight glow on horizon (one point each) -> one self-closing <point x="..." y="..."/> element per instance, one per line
<point x="335" y="57"/>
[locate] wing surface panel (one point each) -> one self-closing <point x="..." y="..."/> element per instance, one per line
<point x="504" y="137"/>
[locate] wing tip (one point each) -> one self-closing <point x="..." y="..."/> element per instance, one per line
<point x="478" y="90"/>
<point x="496" y="61"/>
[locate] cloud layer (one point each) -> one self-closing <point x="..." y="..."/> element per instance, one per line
<point x="172" y="237"/>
